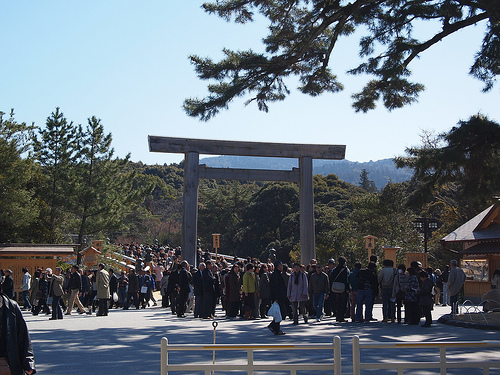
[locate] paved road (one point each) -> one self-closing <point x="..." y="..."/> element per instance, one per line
<point x="128" y="342"/>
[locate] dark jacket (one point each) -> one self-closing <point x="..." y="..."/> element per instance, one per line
<point x="339" y="274"/>
<point x="185" y="279"/>
<point x="197" y="283"/>
<point x="8" y="286"/>
<point x="264" y="286"/>
<point x="113" y="283"/>
<point x="278" y="287"/>
<point x="233" y="287"/>
<point x="209" y="282"/>
<point x="425" y="293"/>
<point x="20" y="351"/>
<point x="367" y="279"/>
<point x="133" y="283"/>
<point x="75" y="281"/>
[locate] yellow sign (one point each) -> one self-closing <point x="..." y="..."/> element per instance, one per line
<point x="216" y="240"/>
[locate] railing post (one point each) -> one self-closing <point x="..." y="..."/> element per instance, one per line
<point x="355" y="356"/>
<point x="250" y="361"/>
<point x="442" y="360"/>
<point x="164" y="356"/>
<point x="337" y="356"/>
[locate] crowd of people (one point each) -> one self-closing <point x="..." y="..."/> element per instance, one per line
<point x="246" y="288"/>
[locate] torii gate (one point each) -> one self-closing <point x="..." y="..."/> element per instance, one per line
<point x="192" y="148"/>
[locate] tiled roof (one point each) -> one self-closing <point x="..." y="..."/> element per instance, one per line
<point x="37" y="249"/>
<point x="484" y="226"/>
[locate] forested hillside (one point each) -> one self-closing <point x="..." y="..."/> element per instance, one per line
<point x="380" y="171"/>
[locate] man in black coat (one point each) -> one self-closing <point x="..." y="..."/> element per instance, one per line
<point x="16" y="351"/>
<point x="209" y="288"/>
<point x="198" y="290"/>
<point x="183" y="289"/>
<point x="133" y="290"/>
<point x="278" y="294"/>
<point x="8" y="284"/>
<point x="113" y="287"/>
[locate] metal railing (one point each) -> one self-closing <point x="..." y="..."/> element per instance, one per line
<point x="250" y="366"/>
<point x="443" y="364"/>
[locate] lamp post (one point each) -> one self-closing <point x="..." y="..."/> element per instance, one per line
<point x="426" y="226"/>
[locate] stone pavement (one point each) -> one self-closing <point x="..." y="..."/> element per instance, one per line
<point x="128" y="342"/>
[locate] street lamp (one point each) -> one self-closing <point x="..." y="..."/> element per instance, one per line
<point x="425" y="226"/>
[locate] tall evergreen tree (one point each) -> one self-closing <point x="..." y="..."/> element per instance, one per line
<point x="18" y="206"/>
<point x="458" y="168"/>
<point x="55" y="149"/>
<point x="365" y="183"/>
<point x="104" y="190"/>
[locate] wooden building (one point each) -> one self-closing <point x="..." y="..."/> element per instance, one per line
<point x="32" y="256"/>
<point x="480" y="239"/>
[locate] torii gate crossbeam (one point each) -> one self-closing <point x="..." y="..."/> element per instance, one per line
<point x="192" y="148"/>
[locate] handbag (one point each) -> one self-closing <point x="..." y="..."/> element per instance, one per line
<point x="275" y="312"/>
<point x="144" y="289"/>
<point x="338" y="287"/>
<point x="115" y="297"/>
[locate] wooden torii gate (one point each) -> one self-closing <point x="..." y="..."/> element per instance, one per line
<point x="192" y="148"/>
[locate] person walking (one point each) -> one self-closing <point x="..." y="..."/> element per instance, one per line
<point x="278" y="295"/>
<point x="297" y="293"/>
<point x="8" y="284"/>
<point x="456" y="279"/>
<point x="75" y="287"/>
<point x="56" y="282"/>
<point x="133" y="290"/>
<point x="25" y="289"/>
<point x="319" y="287"/>
<point x="102" y="291"/>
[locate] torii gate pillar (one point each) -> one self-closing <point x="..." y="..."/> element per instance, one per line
<point x="306" y="203"/>
<point x="192" y="148"/>
<point x="190" y="207"/>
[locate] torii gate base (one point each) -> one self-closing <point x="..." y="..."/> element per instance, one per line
<point x="192" y="148"/>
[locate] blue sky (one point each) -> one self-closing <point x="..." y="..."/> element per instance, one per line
<point x="126" y="62"/>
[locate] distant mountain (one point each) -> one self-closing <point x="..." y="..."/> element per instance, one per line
<point x="380" y="171"/>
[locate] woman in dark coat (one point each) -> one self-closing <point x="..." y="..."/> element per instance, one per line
<point x="264" y="291"/>
<point x="425" y="297"/>
<point x="412" y="312"/>
<point x="42" y="295"/>
<point x="233" y="291"/>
